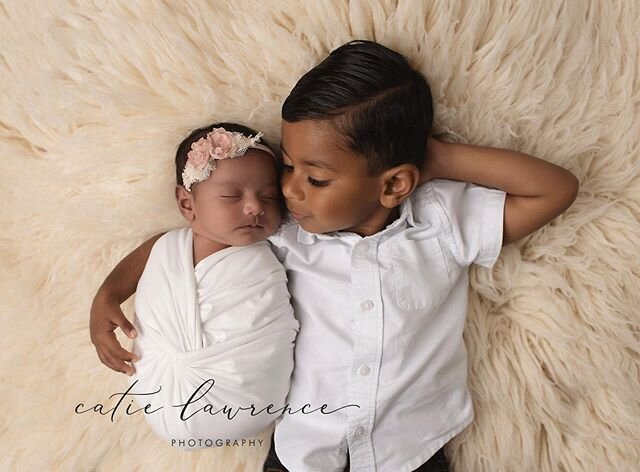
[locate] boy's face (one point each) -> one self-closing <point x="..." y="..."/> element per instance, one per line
<point x="238" y="204"/>
<point x="326" y="187"/>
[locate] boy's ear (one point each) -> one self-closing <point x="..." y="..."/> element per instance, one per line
<point x="185" y="202"/>
<point x="398" y="184"/>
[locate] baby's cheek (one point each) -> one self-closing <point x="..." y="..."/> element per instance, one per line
<point x="272" y="216"/>
<point x="276" y="219"/>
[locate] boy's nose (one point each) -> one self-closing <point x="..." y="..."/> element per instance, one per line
<point x="290" y="189"/>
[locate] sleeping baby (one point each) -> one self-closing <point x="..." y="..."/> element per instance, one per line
<point x="216" y="329"/>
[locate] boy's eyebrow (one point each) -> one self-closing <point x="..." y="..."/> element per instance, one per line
<point x="312" y="162"/>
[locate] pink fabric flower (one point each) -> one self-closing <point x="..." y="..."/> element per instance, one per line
<point x="221" y="143"/>
<point x="199" y="154"/>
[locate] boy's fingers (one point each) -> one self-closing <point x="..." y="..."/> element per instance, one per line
<point x="116" y="319"/>
<point x="112" y="354"/>
<point x="123" y="368"/>
<point x="120" y="356"/>
<point x="116" y="351"/>
<point x="103" y="323"/>
<point x="107" y="360"/>
<point x="118" y="365"/>
<point x="126" y="326"/>
<point x="126" y="355"/>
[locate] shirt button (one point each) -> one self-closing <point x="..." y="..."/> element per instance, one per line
<point x="358" y="431"/>
<point x="366" y="305"/>
<point x="364" y="370"/>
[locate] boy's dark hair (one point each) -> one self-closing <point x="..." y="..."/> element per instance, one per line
<point x="371" y="95"/>
<point x="185" y="145"/>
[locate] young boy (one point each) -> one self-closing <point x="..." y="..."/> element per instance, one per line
<point x="377" y="263"/>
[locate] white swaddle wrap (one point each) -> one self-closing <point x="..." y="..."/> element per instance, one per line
<point x="230" y="320"/>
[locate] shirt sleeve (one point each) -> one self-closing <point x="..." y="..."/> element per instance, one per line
<point x="475" y="216"/>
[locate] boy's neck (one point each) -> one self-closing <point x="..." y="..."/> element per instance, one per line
<point x="203" y="247"/>
<point x="377" y="223"/>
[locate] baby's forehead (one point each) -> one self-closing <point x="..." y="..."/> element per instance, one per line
<point x="249" y="170"/>
<point x="243" y="182"/>
<point x="240" y="183"/>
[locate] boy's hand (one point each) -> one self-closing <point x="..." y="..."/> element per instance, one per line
<point x="106" y="316"/>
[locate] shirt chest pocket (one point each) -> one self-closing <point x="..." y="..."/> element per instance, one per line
<point x="421" y="274"/>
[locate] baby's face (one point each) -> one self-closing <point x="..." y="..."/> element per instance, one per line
<point x="238" y="204"/>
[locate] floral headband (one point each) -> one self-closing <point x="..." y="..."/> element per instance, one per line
<point x="217" y="144"/>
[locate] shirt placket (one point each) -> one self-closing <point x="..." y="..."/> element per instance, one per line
<point x="367" y="350"/>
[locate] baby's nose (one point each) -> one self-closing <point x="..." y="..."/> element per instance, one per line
<point x="253" y="208"/>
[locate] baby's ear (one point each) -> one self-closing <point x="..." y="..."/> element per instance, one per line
<point x="185" y="202"/>
<point x="398" y="184"/>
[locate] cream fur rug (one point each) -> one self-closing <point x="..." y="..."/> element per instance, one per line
<point x="95" y="96"/>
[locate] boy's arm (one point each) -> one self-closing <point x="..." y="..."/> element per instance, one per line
<point x="537" y="190"/>
<point x="106" y="314"/>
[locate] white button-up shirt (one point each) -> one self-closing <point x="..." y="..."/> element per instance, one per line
<point x="381" y="322"/>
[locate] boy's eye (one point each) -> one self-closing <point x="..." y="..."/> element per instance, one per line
<point x="318" y="183"/>
<point x="270" y="197"/>
<point x="230" y="196"/>
<point x="313" y="182"/>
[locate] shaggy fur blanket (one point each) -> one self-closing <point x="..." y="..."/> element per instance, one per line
<point x="95" y="96"/>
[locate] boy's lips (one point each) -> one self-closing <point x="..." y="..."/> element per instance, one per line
<point x="296" y="215"/>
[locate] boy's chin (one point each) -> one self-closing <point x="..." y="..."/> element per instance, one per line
<point x="307" y="225"/>
<point x="312" y="226"/>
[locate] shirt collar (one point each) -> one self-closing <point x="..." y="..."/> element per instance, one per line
<point x="406" y="215"/>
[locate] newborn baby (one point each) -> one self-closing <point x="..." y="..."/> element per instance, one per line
<point x="216" y="329"/>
